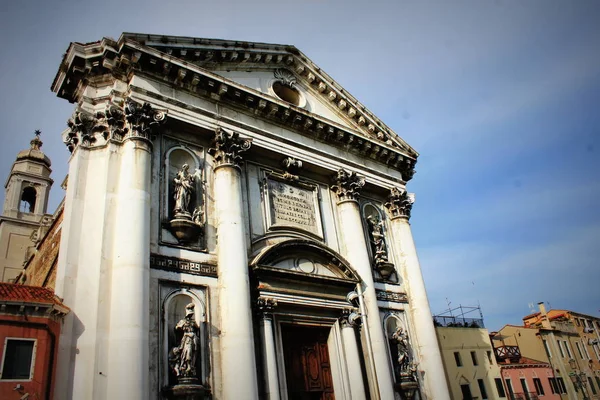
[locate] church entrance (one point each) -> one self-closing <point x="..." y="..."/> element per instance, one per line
<point x="307" y="367"/>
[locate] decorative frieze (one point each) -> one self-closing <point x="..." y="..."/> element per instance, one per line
<point x="173" y="264"/>
<point x="394" y="297"/>
<point x="347" y="185"/>
<point x="400" y="203"/>
<point x="227" y="148"/>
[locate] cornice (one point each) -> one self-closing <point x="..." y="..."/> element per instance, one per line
<point x="181" y="67"/>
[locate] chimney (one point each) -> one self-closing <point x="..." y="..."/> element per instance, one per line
<point x="544" y="315"/>
<point x="542" y="308"/>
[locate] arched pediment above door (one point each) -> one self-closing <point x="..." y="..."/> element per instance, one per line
<point x="306" y="258"/>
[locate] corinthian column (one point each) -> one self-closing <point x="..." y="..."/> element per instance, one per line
<point x="347" y="186"/>
<point x="128" y="354"/>
<point x="399" y="206"/>
<point x="237" y="338"/>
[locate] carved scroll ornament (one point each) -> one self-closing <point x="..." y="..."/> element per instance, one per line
<point x="347" y="185"/>
<point x="400" y="203"/>
<point x="227" y="148"/>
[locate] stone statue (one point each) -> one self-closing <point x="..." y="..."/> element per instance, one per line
<point x="184" y="189"/>
<point x="182" y="358"/>
<point x="377" y="239"/>
<point x="401" y="338"/>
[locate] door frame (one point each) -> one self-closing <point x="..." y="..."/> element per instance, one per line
<point x="337" y="359"/>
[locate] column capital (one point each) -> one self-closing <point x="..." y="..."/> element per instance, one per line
<point x="117" y="123"/>
<point x="142" y="119"/>
<point x="347" y="185"/>
<point x="265" y="306"/>
<point x="400" y="203"/>
<point x="226" y="148"/>
<point x="350" y="318"/>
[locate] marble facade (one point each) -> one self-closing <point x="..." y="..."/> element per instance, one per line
<point x="239" y="180"/>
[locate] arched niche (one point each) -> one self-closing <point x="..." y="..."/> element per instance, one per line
<point x="393" y="323"/>
<point x="377" y="236"/>
<point x="173" y="311"/>
<point x="175" y="158"/>
<point x="28" y="200"/>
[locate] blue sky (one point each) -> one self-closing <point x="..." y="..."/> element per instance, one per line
<point x="501" y="98"/>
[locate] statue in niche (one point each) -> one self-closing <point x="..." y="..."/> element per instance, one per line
<point x="378" y="246"/>
<point x="182" y="359"/>
<point x="406" y="370"/>
<point x="184" y="190"/>
<point x="377" y="239"/>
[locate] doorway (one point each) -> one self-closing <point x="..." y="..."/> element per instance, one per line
<point x="307" y="366"/>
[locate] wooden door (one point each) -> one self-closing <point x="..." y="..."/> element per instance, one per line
<point x="307" y="367"/>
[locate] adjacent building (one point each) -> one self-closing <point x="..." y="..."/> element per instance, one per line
<point x="471" y="369"/>
<point x="24" y="220"/>
<point x="30" y="325"/>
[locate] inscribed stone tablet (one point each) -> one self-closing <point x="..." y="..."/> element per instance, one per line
<point x="293" y="206"/>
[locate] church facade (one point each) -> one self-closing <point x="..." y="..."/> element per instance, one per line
<point x="235" y="226"/>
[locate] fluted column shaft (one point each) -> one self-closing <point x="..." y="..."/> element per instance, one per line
<point x="430" y="358"/>
<point x="128" y="358"/>
<point x="347" y="186"/>
<point x="238" y="363"/>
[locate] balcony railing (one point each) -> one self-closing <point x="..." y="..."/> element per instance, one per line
<point x="524" y="396"/>
<point x="458" y="322"/>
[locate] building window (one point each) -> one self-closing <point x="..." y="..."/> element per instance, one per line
<point x="457" y="359"/>
<point x="466" y="392"/>
<point x="474" y="358"/>
<point x="561" y="385"/>
<point x="18" y="359"/>
<point x="28" y="198"/>
<point x="489" y="356"/>
<point x="562" y="354"/>
<point x="538" y="386"/>
<point x="577" y="321"/>
<point x="548" y="353"/>
<point x="579" y="350"/>
<point x="553" y="385"/>
<point x="598" y="381"/>
<point x="500" y="387"/>
<point x="568" y="349"/>
<point x="585" y="350"/>
<point x="524" y="387"/>
<point x="511" y="392"/>
<point x="592" y="385"/>
<point x="482" y="388"/>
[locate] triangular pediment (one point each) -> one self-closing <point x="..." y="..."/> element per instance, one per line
<point x="256" y="65"/>
<point x="223" y="71"/>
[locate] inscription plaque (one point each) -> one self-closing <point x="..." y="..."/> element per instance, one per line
<point x="293" y="205"/>
<point x="159" y="261"/>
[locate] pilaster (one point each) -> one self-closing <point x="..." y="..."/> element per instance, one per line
<point x="347" y="186"/>
<point x="237" y="337"/>
<point x="431" y="367"/>
<point x="265" y="307"/>
<point x="348" y="323"/>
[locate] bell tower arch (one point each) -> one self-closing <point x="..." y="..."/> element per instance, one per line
<point x="27" y="190"/>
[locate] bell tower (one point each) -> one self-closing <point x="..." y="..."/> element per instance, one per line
<point x="26" y="199"/>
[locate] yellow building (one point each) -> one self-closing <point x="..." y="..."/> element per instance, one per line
<point x="467" y="353"/>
